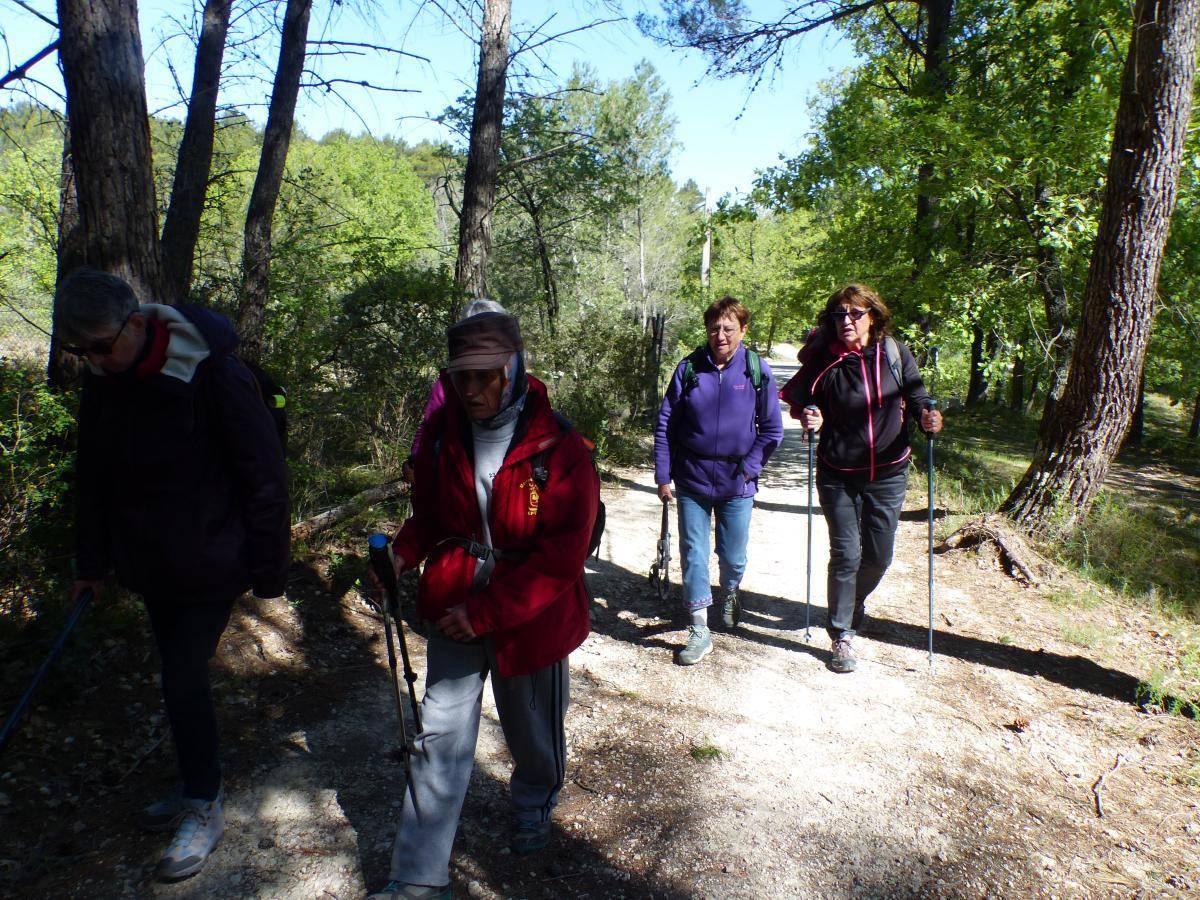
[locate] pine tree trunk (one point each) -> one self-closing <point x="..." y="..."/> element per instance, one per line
<point x="479" y="180"/>
<point x="61" y="368"/>
<point x="1016" y="391"/>
<point x="1049" y="277"/>
<point x="937" y="84"/>
<point x="100" y="49"/>
<point x="256" y="255"/>
<point x="182" y="227"/>
<point x="1137" y="424"/>
<point x="976" y="386"/>
<point x="1088" y="423"/>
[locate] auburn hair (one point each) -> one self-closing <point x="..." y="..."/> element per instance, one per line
<point x="856" y="296"/>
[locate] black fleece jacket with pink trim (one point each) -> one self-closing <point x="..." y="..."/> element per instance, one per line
<point x="865" y="433"/>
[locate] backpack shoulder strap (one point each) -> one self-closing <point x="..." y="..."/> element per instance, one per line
<point x="754" y="368"/>
<point x="537" y="462"/>
<point x="892" y="349"/>
<point x="690" y="362"/>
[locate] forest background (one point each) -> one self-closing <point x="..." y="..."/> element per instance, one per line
<point x="959" y="165"/>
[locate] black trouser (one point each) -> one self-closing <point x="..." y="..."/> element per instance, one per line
<point x="187" y="635"/>
<point x="862" y="518"/>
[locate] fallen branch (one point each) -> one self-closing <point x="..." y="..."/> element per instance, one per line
<point x="306" y="529"/>
<point x="1098" y="785"/>
<point x="1015" y="554"/>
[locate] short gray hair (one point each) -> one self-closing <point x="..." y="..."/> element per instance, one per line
<point x="482" y="305"/>
<point x="89" y="302"/>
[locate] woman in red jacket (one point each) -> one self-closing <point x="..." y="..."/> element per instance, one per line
<point x="503" y="506"/>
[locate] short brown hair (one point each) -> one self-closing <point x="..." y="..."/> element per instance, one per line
<point x="863" y="297"/>
<point x="726" y="307"/>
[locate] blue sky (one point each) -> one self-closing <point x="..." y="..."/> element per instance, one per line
<point x="725" y="132"/>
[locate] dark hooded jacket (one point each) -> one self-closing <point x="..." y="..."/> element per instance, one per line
<point x="866" y="411"/>
<point x="182" y="487"/>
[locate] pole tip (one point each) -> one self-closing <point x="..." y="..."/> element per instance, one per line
<point x="377" y="541"/>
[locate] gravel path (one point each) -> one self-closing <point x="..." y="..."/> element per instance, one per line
<point x="759" y="772"/>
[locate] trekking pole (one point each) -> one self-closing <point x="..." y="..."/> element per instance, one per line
<point x="10" y="724"/>
<point x="386" y="573"/>
<point x="931" y="404"/>
<point x="659" y="571"/>
<point x="808" y="575"/>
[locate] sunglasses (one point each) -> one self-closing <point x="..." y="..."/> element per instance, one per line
<point x="98" y="348"/>
<point x="852" y="314"/>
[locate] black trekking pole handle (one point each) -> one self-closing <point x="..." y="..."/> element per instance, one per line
<point x="10" y="725"/>
<point x="385" y="571"/>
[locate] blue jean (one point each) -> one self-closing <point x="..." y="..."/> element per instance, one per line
<point x="733" y="534"/>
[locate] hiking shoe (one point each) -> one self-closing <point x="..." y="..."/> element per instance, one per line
<point x="731" y="609"/>
<point x="397" y="890"/>
<point x="699" y="645"/>
<point x="843" y="656"/>
<point x="200" y="828"/>
<point x="163" y="815"/>
<point x="530" y="837"/>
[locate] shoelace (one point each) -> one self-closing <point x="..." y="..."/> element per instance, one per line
<point x="189" y="828"/>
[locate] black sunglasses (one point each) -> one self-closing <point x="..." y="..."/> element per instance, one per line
<point x="852" y="314"/>
<point x="99" y="348"/>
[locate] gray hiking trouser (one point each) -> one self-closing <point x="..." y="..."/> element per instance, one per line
<point x="531" y="710"/>
<point x="862" y="517"/>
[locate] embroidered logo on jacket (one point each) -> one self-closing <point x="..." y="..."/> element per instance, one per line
<point x="535" y="496"/>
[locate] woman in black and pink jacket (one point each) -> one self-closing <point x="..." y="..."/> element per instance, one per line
<point x="857" y="385"/>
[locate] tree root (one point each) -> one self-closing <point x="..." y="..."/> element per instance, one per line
<point x="1013" y="552"/>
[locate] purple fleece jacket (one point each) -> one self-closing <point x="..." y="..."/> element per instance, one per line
<point x="709" y="440"/>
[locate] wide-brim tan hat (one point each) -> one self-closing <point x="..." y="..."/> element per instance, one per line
<point x="484" y="341"/>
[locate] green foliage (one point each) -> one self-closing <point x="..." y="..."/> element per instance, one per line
<point x="36" y="465"/>
<point x="1149" y="551"/>
<point x="707" y="752"/>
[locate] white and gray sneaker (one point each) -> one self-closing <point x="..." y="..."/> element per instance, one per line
<point x="699" y="645"/>
<point x="200" y="830"/>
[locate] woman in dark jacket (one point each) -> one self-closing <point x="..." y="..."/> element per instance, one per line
<point x="857" y="385"/>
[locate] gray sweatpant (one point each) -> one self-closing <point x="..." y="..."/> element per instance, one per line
<point x="531" y="709"/>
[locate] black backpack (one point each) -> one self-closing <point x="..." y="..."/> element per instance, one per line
<point x="274" y="398"/>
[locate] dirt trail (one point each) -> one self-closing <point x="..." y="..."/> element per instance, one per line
<point x="758" y="773"/>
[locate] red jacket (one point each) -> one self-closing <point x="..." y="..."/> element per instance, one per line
<point x="536" y="610"/>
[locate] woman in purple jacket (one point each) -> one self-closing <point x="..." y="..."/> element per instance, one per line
<point x="860" y="390"/>
<point x="718" y="425"/>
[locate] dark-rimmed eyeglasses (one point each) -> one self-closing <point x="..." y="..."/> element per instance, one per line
<point x="98" y="348"/>
<point x="852" y="314"/>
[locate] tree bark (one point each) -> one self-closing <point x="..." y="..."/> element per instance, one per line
<point x="1088" y="423"/>
<point x="937" y="84"/>
<point x="1059" y="323"/>
<point x="976" y="386"/>
<point x="100" y="49"/>
<point x="479" y="180"/>
<point x="62" y="369"/>
<point x="1016" y="390"/>
<point x="549" y="285"/>
<point x="256" y="255"/>
<point x="1137" y="424"/>
<point x="192" y="168"/>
